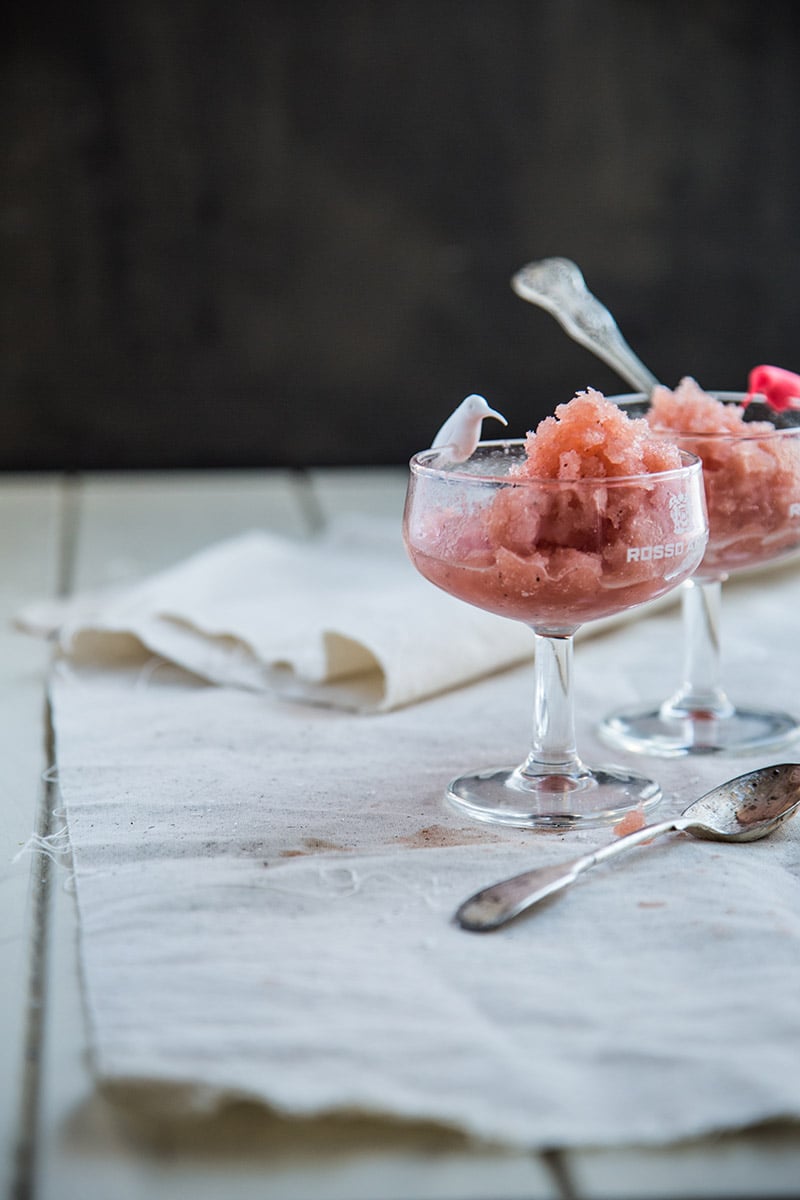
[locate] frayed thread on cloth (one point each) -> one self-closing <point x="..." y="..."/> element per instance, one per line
<point x="55" y="846"/>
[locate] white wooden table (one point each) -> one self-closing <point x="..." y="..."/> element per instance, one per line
<point x="59" y="1139"/>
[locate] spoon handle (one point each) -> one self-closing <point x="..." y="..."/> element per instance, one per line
<point x="557" y="285"/>
<point x="493" y="906"/>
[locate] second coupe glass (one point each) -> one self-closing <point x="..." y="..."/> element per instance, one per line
<point x="752" y="485"/>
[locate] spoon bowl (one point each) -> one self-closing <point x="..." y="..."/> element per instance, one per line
<point x="747" y="808"/>
<point x="744" y="809"/>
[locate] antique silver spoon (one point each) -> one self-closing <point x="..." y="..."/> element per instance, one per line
<point x="741" y="810"/>
<point x="557" y="285"/>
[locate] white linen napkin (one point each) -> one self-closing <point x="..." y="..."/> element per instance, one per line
<point x="343" y="619"/>
<point x="266" y="890"/>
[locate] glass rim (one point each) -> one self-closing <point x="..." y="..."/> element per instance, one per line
<point x="691" y="464"/>
<point x="631" y="398"/>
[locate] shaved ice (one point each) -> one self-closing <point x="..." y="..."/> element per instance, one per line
<point x="591" y="438"/>
<point x="751" y="473"/>
<point x="594" y="516"/>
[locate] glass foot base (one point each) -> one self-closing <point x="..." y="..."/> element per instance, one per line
<point x="509" y="796"/>
<point x="657" y="731"/>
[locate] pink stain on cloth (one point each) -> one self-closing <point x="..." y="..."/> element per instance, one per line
<point x="780" y="388"/>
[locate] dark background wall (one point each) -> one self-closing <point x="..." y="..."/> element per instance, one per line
<point x="281" y="231"/>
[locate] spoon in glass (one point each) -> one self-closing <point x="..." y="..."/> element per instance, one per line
<point x="742" y="810"/>
<point x="557" y="285"/>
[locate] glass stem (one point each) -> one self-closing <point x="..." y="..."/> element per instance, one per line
<point x="701" y="693"/>
<point x="553" y="748"/>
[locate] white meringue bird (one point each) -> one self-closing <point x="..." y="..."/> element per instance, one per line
<point x="461" y="432"/>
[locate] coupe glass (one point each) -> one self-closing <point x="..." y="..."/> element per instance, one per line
<point x="752" y="486"/>
<point x="553" y="554"/>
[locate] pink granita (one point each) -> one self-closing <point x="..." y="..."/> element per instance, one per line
<point x="688" y="409"/>
<point x="591" y="438"/>
<point x="632" y="822"/>
<point x="590" y="522"/>
<point x="751" y="472"/>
